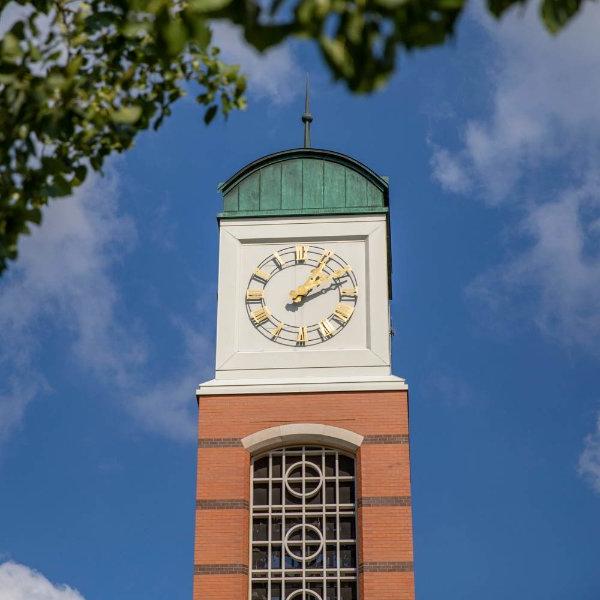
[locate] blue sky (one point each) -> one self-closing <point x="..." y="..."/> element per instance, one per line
<point x="107" y="322"/>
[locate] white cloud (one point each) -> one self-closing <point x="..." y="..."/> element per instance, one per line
<point x="61" y="280"/>
<point x="448" y="171"/>
<point x="543" y="103"/>
<point x="18" y="582"/>
<point x="589" y="460"/>
<point x="64" y="282"/>
<point x="448" y="388"/>
<point x="273" y="74"/>
<point x="539" y="136"/>
<point x="536" y="153"/>
<point x="555" y="280"/>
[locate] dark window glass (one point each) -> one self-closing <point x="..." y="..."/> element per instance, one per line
<point x="261" y="492"/>
<point x="296" y="487"/>
<point x="316" y="562"/>
<point x="291" y="563"/>
<point x="346" y="492"/>
<point x="348" y="556"/>
<point x="331" y="528"/>
<point x="276" y="557"/>
<point x="259" y="557"/>
<point x="276" y="493"/>
<point x="261" y="467"/>
<point x="276" y="591"/>
<point x="259" y="591"/>
<point x="260" y="530"/>
<point x="331" y="557"/>
<point x="316" y="586"/>
<point x="330" y="465"/>
<point x="291" y="586"/>
<point x="346" y="465"/>
<point x="316" y="498"/>
<point x="330" y="492"/>
<point x="348" y="590"/>
<point x="276" y="466"/>
<point x="276" y="528"/>
<point x="312" y="535"/>
<point x="315" y="460"/>
<point x="347" y="528"/>
<point x="291" y="499"/>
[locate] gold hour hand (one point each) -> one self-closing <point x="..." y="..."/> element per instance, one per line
<point x="314" y="279"/>
<point x="301" y="291"/>
<point x="297" y="294"/>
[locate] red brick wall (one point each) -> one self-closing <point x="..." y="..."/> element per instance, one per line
<point x="383" y="486"/>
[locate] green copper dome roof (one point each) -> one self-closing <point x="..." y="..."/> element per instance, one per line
<point x="304" y="181"/>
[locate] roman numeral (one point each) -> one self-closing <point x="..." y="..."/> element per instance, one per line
<point x="302" y="335"/>
<point x="261" y="274"/>
<point x="260" y="315"/>
<point x="277" y="258"/>
<point x="275" y="333"/>
<point x="343" y="311"/>
<point x="326" y="328"/>
<point x="254" y="294"/>
<point x="341" y="272"/>
<point x="350" y="291"/>
<point x="301" y="252"/>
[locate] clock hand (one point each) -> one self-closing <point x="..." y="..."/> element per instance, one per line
<point x="335" y="274"/>
<point x="314" y="279"/>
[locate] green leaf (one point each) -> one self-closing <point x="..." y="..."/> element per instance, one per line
<point x="210" y="114"/>
<point x="498" y="7"/>
<point x="35" y="215"/>
<point x="130" y="60"/>
<point x="557" y="13"/>
<point x="59" y="186"/>
<point x="81" y="173"/>
<point x="208" y="5"/>
<point x="127" y="115"/>
<point x="10" y="45"/>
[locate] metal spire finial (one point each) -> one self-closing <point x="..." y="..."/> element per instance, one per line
<point x="307" y="117"/>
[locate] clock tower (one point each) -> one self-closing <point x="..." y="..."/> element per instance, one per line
<point x="303" y="482"/>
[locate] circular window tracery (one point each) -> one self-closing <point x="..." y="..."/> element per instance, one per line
<point x="303" y="531"/>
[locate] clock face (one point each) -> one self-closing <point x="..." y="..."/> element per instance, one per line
<point x="301" y="295"/>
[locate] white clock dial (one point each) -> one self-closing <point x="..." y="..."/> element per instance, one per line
<point x="301" y="295"/>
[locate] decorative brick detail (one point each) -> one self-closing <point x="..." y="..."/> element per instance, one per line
<point x="400" y="438"/>
<point x="222" y="504"/>
<point x="384" y="501"/>
<point x="385" y="567"/>
<point x="221" y="569"/>
<point x="219" y="443"/>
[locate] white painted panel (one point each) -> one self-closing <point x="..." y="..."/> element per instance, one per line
<point x="361" y="346"/>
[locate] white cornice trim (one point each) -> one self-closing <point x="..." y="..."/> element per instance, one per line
<point x="291" y="386"/>
<point x="302" y="433"/>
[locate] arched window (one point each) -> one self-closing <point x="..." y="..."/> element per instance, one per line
<point x="303" y="531"/>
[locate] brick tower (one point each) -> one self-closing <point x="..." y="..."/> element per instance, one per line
<point x="303" y="483"/>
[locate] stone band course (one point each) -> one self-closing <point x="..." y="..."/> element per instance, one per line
<point x="221" y="569"/>
<point x="219" y="443"/>
<point x="226" y="504"/>
<point x="384" y="501"/>
<point x="399" y="438"/>
<point x="385" y="567"/>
